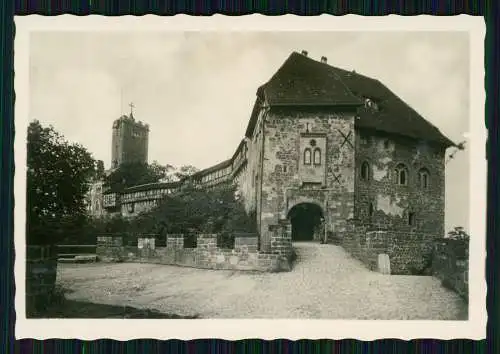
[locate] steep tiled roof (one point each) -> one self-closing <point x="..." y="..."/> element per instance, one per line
<point x="302" y="81"/>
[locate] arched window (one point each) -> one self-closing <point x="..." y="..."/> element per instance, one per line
<point x="307" y="156"/>
<point x="365" y="171"/>
<point x="401" y="175"/>
<point x="423" y="178"/>
<point x="317" y="156"/>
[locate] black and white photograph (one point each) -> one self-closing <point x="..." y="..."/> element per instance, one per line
<point x="217" y="171"/>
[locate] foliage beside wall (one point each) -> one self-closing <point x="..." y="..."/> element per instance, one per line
<point x="458" y="233"/>
<point x="198" y="211"/>
<point x="193" y="211"/>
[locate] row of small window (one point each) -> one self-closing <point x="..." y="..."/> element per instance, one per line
<point x="150" y="193"/>
<point x="312" y="156"/>
<point x="216" y="175"/>
<point x="401" y="175"/>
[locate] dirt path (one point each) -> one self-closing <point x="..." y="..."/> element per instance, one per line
<point x="325" y="283"/>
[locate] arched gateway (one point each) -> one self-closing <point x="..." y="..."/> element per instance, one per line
<point x="307" y="222"/>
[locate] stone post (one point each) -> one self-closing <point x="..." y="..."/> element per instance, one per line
<point x="146" y="247"/>
<point x="281" y="240"/>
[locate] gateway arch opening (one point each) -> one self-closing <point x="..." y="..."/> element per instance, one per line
<point x="307" y="222"/>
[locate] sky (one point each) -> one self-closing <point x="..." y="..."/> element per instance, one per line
<point x="196" y="90"/>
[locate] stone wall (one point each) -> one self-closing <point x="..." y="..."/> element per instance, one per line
<point x="285" y="184"/>
<point x="407" y="252"/>
<point x="249" y="180"/>
<point x="41" y="273"/>
<point x="206" y="255"/>
<point x="450" y="264"/>
<point x="110" y="248"/>
<point x="380" y="201"/>
<point x="281" y="238"/>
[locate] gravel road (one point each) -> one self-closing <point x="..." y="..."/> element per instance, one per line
<point x="326" y="283"/>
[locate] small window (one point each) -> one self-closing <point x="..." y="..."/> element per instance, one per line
<point x="386" y="144"/>
<point x="307" y="156"/>
<point x="423" y="178"/>
<point x="411" y="219"/>
<point x="317" y="156"/>
<point x="365" y="171"/>
<point x="401" y="175"/>
<point x="370" y="210"/>
<point x="285" y="169"/>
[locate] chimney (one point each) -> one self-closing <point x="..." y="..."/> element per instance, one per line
<point x="304" y="53"/>
<point x="323" y="60"/>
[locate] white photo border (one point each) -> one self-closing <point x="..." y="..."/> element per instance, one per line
<point x="90" y="329"/>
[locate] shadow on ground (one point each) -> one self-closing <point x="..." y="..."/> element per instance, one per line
<point x="80" y="309"/>
<point x="60" y="307"/>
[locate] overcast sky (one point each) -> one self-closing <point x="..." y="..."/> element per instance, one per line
<point x="196" y="90"/>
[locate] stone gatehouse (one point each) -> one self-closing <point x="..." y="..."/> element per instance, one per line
<point x="325" y="149"/>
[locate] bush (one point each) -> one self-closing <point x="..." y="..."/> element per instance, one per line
<point x="193" y="211"/>
<point x="458" y="233"/>
<point x="225" y="240"/>
<point x="199" y="210"/>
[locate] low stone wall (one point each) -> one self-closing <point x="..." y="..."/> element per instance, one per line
<point x="41" y="273"/>
<point x="450" y="264"/>
<point x="110" y="248"/>
<point x="206" y="255"/>
<point x="389" y="251"/>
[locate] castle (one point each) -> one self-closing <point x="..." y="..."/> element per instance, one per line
<point x="325" y="148"/>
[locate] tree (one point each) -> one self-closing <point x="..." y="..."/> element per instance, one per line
<point x="136" y="173"/>
<point x="458" y="233"/>
<point x="459" y="147"/>
<point x="185" y="171"/>
<point x="57" y="176"/>
<point x="99" y="170"/>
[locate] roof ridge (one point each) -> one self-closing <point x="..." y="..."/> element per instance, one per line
<point x="320" y="83"/>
